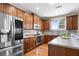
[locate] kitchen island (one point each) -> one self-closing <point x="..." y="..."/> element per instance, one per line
<point x="63" y="47"/>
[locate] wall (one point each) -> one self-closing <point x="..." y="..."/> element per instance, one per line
<point x="59" y="17"/>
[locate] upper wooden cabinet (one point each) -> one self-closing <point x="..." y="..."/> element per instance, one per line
<point x="35" y="19"/>
<point x="4" y="8"/>
<point x="41" y="25"/>
<point x="69" y="22"/>
<point x="12" y="10"/>
<point x="38" y="21"/>
<point x="28" y="21"/>
<point x="46" y="25"/>
<point x="72" y="23"/>
<point x="75" y="22"/>
<point x="20" y="13"/>
<point x="1" y="7"/>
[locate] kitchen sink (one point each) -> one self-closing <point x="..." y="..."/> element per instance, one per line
<point x="66" y="36"/>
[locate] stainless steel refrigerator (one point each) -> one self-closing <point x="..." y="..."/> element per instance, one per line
<point x="11" y="35"/>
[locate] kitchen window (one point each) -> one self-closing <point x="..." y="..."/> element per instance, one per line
<point x="56" y="24"/>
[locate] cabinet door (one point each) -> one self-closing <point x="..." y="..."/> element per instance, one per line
<point x="12" y="10"/>
<point x="4" y="8"/>
<point x="71" y="52"/>
<point x="28" y="21"/>
<point x="31" y="21"/>
<point x="69" y="22"/>
<point x="56" y="51"/>
<point x="20" y="13"/>
<point x="26" y="44"/>
<point x="1" y="7"/>
<point x="33" y="42"/>
<point x="35" y="19"/>
<point x="41" y="25"/>
<point x="75" y="22"/>
<point x="46" y="25"/>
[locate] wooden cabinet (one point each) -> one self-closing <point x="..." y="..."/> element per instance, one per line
<point x="29" y="43"/>
<point x="12" y="10"/>
<point x="4" y="8"/>
<point x="38" y="21"/>
<point x="33" y="42"/>
<point x="41" y="25"/>
<point x="48" y="38"/>
<point x="46" y="25"/>
<point x="69" y="23"/>
<point x="20" y="13"/>
<point x="72" y="23"/>
<point x="28" y="21"/>
<point x="35" y="19"/>
<point x="54" y="50"/>
<point x="75" y="22"/>
<point x="1" y="7"/>
<point x="26" y="44"/>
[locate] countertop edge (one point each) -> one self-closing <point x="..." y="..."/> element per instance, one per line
<point x="49" y="43"/>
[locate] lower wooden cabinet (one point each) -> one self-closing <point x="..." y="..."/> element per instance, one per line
<point x="48" y="38"/>
<point x="26" y="44"/>
<point x="61" y="51"/>
<point x="29" y="43"/>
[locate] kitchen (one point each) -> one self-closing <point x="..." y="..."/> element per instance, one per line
<point x="39" y="29"/>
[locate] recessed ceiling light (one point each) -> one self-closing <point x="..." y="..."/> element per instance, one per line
<point x="37" y="8"/>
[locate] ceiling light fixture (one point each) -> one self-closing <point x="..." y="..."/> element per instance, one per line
<point x="59" y="6"/>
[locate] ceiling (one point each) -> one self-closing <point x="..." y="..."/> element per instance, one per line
<point x="48" y="9"/>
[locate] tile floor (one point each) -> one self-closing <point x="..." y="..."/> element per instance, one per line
<point x="41" y="50"/>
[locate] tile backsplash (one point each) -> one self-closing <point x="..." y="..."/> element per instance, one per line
<point x="29" y="32"/>
<point x="59" y="32"/>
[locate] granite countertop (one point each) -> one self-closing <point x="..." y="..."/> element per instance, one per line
<point x="68" y="43"/>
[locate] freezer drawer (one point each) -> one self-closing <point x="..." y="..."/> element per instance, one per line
<point x="7" y="52"/>
<point x="17" y="50"/>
